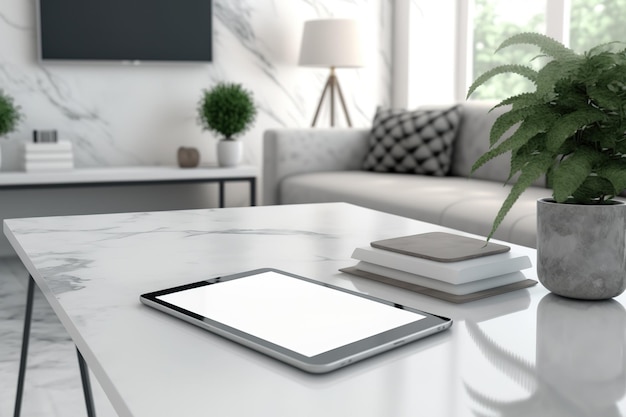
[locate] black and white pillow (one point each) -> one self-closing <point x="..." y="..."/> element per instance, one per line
<point x="418" y="141"/>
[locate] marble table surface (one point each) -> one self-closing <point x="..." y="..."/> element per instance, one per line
<point x="523" y="353"/>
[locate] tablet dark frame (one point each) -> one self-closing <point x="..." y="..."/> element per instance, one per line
<point x="324" y="362"/>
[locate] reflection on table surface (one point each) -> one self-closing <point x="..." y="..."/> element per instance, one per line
<point x="580" y="363"/>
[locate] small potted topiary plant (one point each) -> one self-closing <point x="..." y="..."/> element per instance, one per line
<point x="572" y="129"/>
<point x="10" y="115"/>
<point x="228" y="110"/>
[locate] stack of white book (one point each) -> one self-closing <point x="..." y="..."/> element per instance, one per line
<point x="457" y="275"/>
<point x="46" y="156"/>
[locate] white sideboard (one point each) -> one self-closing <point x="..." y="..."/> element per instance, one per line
<point x="122" y="189"/>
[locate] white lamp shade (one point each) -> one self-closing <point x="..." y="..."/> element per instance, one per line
<point x="331" y="43"/>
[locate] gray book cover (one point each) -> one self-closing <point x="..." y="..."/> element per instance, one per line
<point x="440" y="246"/>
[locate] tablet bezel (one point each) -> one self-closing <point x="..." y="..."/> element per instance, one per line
<point x="324" y="362"/>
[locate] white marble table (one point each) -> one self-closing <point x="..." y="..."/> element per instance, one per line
<point x="518" y="354"/>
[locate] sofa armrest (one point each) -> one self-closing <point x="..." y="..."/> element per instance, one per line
<point x="292" y="151"/>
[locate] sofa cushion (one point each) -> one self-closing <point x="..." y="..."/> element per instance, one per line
<point x="473" y="141"/>
<point x="418" y="141"/>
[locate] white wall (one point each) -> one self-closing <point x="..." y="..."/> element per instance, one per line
<point x="117" y="114"/>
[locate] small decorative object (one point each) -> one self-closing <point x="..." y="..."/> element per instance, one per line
<point x="188" y="157"/>
<point x="45" y="136"/>
<point x="228" y="110"/>
<point x="332" y="43"/>
<point x="571" y="128"/>
<point x="10" y="115"/>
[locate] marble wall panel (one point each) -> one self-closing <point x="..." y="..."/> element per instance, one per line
<point x="118" y="114"/>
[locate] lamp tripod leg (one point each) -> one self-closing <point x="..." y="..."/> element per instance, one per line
<point x="319" y="105"/>
<point x="343" y="103"/>
<point x="333" y="82"/>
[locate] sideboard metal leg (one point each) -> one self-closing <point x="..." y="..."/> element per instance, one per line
<point x="25" y="338"/>
<point x="253" y="191"/>
<point x="84" y="376"/>
<point x="221" y="184"/>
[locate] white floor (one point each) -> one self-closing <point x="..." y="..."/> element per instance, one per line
<point x="52" y="386"/>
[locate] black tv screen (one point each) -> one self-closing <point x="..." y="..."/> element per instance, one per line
<point x="125" y="30"/>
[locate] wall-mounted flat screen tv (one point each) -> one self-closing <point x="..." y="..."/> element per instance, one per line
<point x="125" y="30"/>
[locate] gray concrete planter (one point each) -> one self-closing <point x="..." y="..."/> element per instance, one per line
<point x="581" y="249"/>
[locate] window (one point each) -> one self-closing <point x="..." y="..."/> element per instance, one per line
<point x="494" y="21"/>
<point x="581" y="23"/>
<point x="594" y="22"/>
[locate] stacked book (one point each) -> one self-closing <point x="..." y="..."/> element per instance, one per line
<point x="47" y="156"/>
<point x="447" y="266"/>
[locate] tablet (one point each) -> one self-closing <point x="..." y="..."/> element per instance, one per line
<point x="311" y="325"/>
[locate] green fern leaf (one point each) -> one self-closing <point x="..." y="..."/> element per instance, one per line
<point x="510" y="118"/>
<point x="546" y="44"/>
<point x="570" y="96"/>
<point x="606" y="140"/>
<point x="552" y="72"/>
<point x="620" y="146"/>
<point x="570" y="145"/>
<point x="567" y="125"/>
<point x="521" y="156"/>
<point x="604" y="98"/>
<point x="607" y="135"/>
<point x="522" y="70"/>
<point x="520" y="100"/>
<point x="519" y="138"/>
<point x="569" y="175"/>
<point x="615" y="172"/>
<point x="594" y="190"/>
<point x="608" y="90"/>
<point x="613" y="46"/>
<point x="533" y="170"/>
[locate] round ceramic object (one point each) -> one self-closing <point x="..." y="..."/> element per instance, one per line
<point x="581" y="249"/>
<point x="229" y="152"/>
<point x="188" y="157"/>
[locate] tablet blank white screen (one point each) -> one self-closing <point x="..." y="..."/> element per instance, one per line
<point x="303" y="317"/>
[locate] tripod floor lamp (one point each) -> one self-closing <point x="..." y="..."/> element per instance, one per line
<point x="332" y="43"/>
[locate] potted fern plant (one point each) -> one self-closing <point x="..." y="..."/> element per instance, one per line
<point x="572" y="129"/>
<point x="228" y="110"/>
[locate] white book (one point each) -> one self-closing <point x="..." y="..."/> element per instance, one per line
<point x="452" y="272"/>
<point x="455" y="289"/>
<point x="48" y="166"/>
<point x="63" y="146"/>
<point x="48" y="157"/>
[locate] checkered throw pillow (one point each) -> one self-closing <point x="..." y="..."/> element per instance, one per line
<point x="418" y="141"/>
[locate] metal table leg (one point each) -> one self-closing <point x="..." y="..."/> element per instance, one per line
<point x="84" y="372"/>
<point x="25" y="338"/>
<point x="84" y="376"/>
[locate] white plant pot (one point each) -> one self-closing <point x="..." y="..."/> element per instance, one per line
<point x="229" y="152"/>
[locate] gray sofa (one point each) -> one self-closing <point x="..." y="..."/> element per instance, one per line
<point x="324" y="165"/>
